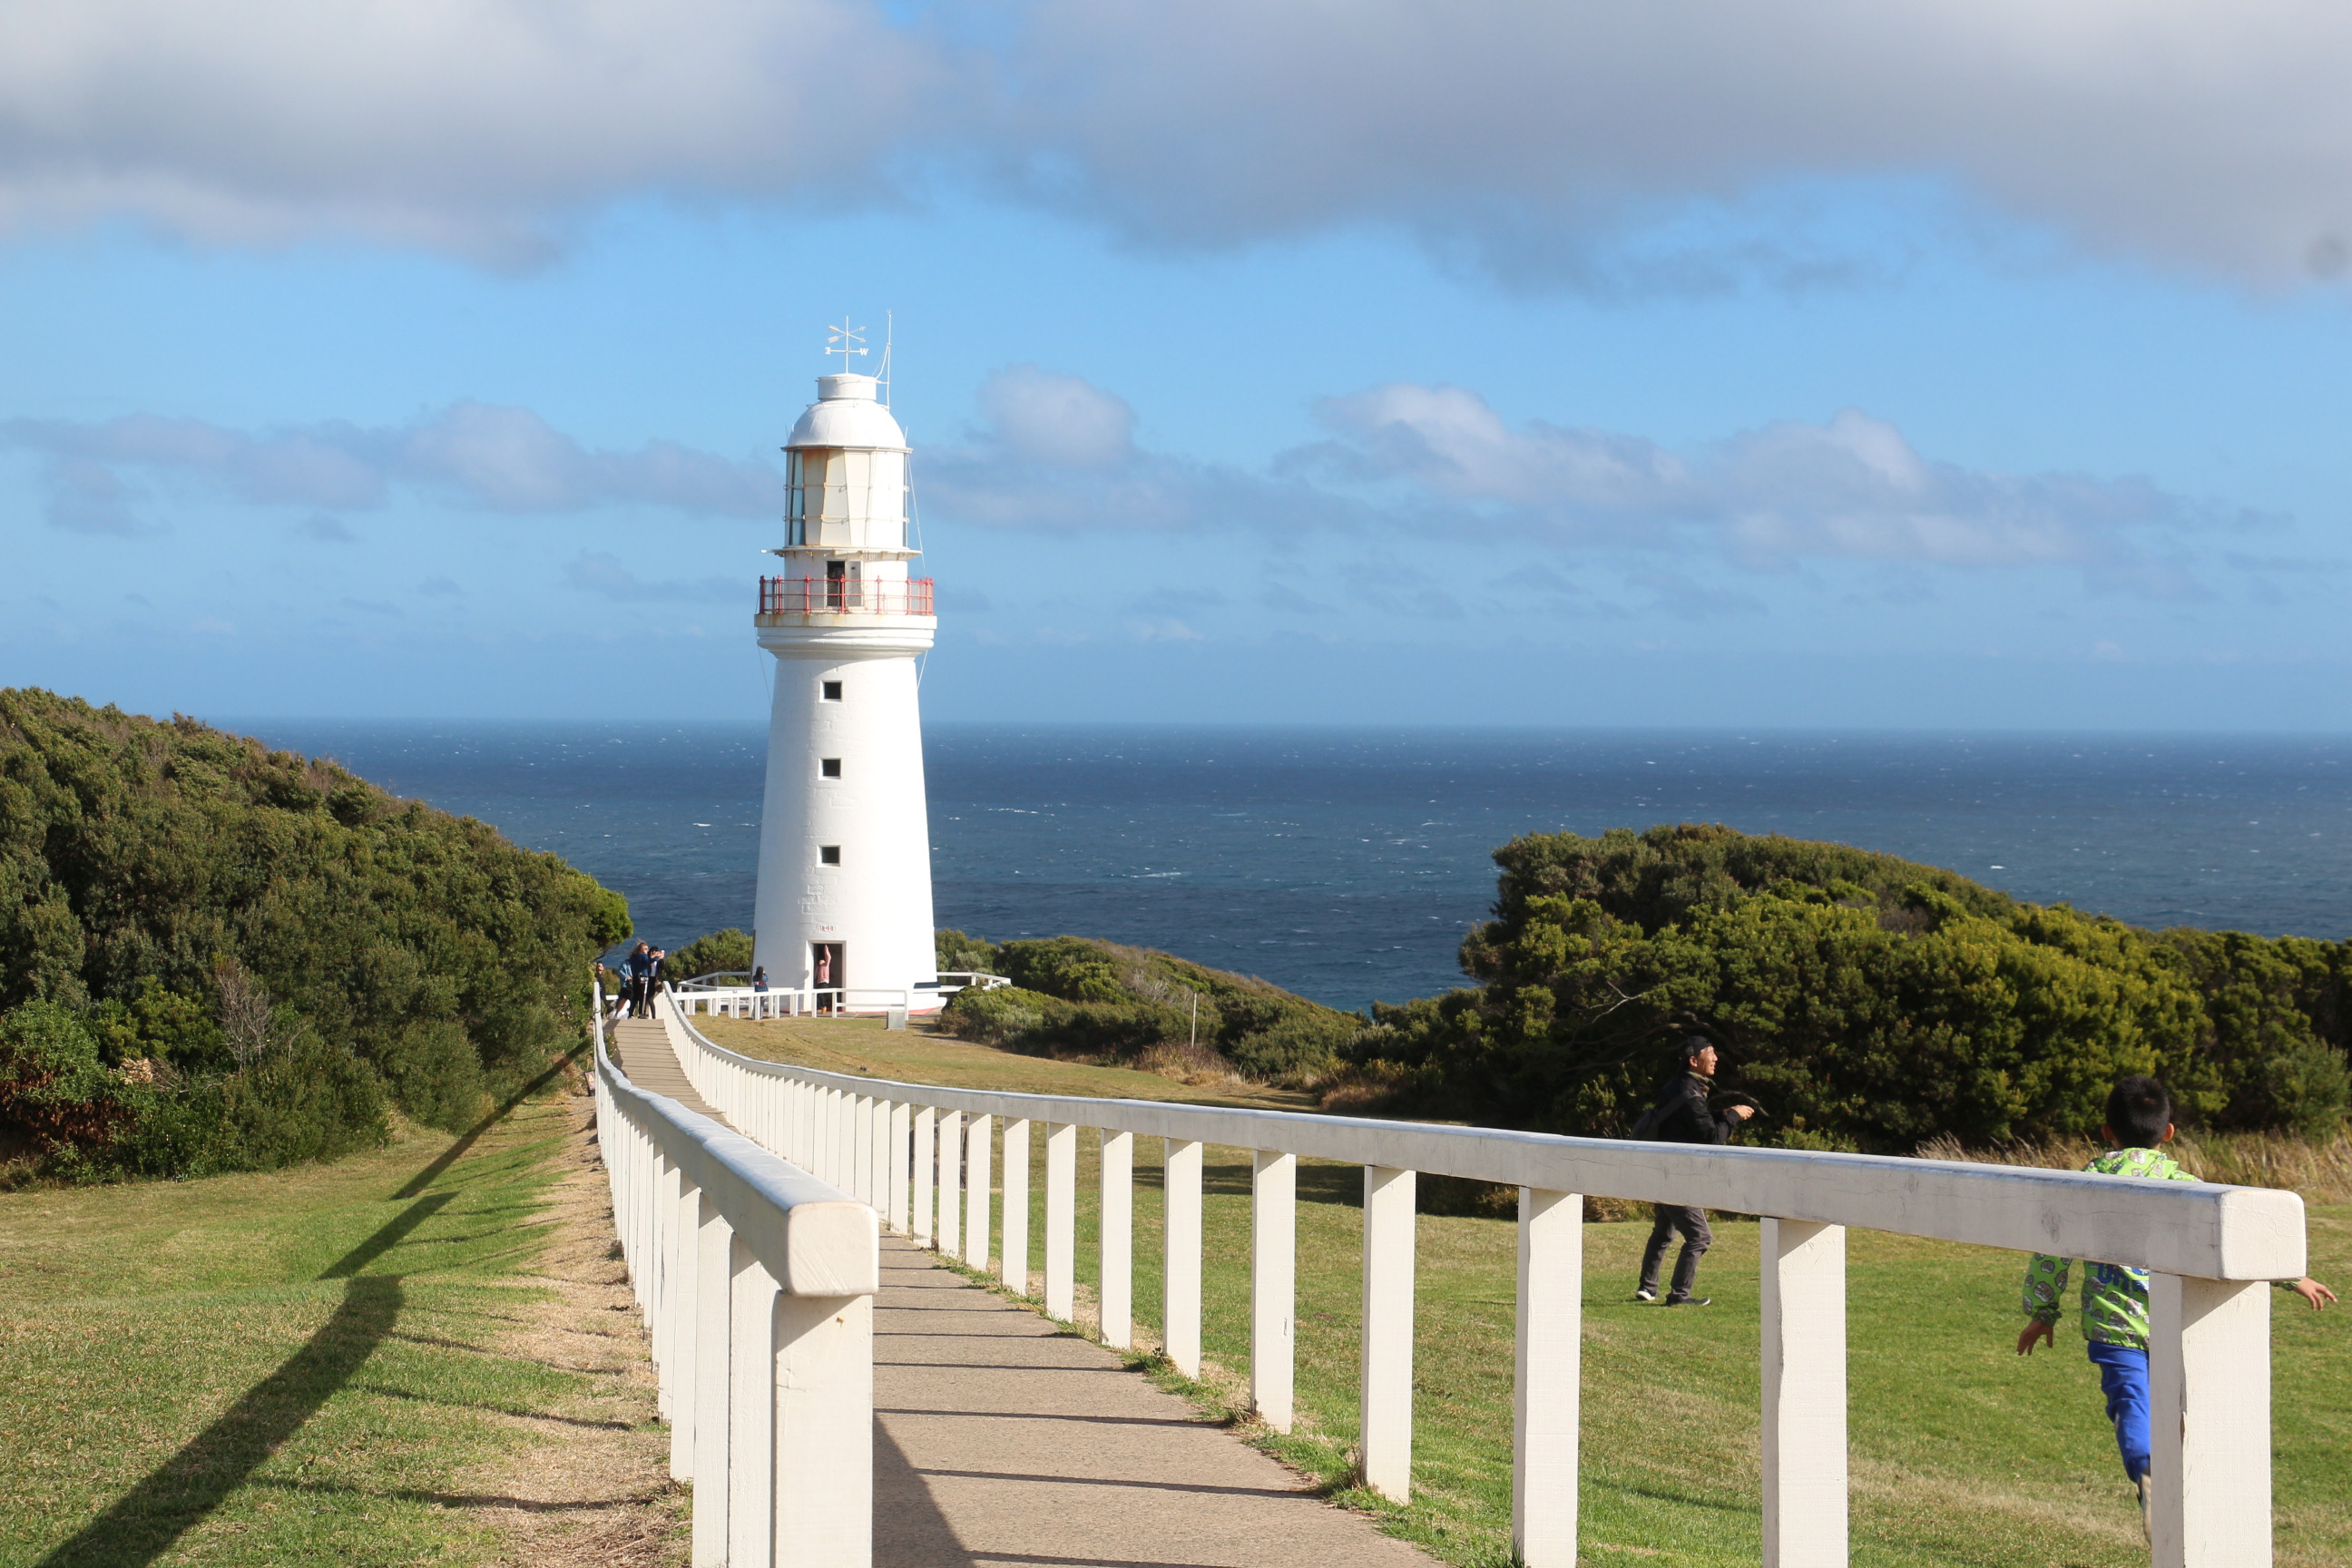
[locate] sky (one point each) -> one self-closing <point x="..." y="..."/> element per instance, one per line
<point x="1807" y="363"/>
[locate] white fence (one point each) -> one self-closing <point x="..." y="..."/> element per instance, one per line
<point x="922" y="1156"/>
<point x="743" y="1002"/>
<point x="757" y="1283"/>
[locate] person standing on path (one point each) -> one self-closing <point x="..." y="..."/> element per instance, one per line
<point x="1682" y="1115"/>
<point x="641" y="965"/>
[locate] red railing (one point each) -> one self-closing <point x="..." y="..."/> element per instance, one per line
<point x="845" y="596"/>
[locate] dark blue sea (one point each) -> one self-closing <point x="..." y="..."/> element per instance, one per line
<point x="1346" y="864"/>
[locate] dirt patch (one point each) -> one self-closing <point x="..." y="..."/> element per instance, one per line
<point x="595" y="1492"/>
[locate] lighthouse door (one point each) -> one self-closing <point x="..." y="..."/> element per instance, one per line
<point x="825" y="975"/>
<point x="841" y="584"/>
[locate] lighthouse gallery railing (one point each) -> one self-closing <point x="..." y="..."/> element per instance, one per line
<point x="922" y="1155"/>
<point x="846" y="595"/>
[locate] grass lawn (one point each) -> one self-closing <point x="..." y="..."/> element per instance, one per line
<point x="1961" y="1453"/>
<point x="336" y="1364"/>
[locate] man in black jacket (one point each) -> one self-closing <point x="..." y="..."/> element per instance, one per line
<point x="1683" y="1116"/>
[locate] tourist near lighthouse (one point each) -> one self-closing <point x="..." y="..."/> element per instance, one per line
<point x="843" y="908"/>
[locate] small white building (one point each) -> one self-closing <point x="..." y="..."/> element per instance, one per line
<point x="845" y="896"/>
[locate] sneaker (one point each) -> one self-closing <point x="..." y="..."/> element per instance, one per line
<point x="1646" y="1294"/>
<point x="1690" y="1301"/>
<point x="2146" y="1507"/>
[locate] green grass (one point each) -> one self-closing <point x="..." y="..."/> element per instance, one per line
<point x="1962" y="1455"/>
<point x="286" y="1369"/>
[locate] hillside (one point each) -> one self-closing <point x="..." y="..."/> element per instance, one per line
<point x="224" y="957"/>
<point x="1076" y="998"/>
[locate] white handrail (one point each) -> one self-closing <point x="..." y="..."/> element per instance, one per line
<point x="787" y="1002"/>
<point x="2213" y="1248"/>
<point x="757" y="1282"/>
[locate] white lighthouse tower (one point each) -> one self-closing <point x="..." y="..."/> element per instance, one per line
<point x="844" y="900"/>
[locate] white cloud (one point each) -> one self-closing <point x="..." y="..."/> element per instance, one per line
<point x="1852" y="487"/>
<point x="1063" y="420"/>
<point x="469" y="454"/>
<point x="1438" y="465"/>
<point x="2211" y="133"/>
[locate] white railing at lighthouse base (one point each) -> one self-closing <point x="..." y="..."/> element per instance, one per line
<point x="757" y="1282"/>
<point x="922" y="1156"/>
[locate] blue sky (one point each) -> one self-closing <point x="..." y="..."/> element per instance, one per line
<point x="1802" y="365"/>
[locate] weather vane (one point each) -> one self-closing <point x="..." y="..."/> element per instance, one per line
<point x="838" y="338"/>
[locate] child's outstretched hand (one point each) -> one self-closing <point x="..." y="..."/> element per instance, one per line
<point x="2312" y="1290"/>
<point x="2047" y="1333"/>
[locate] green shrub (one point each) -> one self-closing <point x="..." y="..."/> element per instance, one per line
<point x="53" y="1084"/>
<point x="1868" y="1002"/>
<point x="1074" y="996"/>
<point x="192" y="896"/>
<point x="959" y="954"/>
<point x="993" y="1018"/>
<point x="1069" y="967"/>
<point x="725" y="951"/>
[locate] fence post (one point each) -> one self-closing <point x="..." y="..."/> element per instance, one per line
<point x="860" y="1184"/>
<point x="925" y="1117"/>
<point x="661" y="1260"/>
<point x="714" y="1332"/>
<point x="975" y="1208"/>
<point x="877" y="1161"/>
<point x="1386" y="1401"/>
<point x="682" y="1274"/>
<point x="1274" y="1279"/>
<point x="750" y="1411"/>
<point x="1061" y="1218"/>
<point x="1117" y="1295"/>
<point x="1803" y="1268"/>
<point x="820" y="1386"/>
<point x="822" y="1126"/>
<point x="902" y="1126"/>
<point x="1180" y="1270"/>
<point x="1545" y="1394"/>
<point x="950" y="1183"/>
<point x="1013" y="1263"/>
<point x="2210" y="1414"/>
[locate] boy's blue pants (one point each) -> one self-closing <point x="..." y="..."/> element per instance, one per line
<point x="2123" y="1378"/>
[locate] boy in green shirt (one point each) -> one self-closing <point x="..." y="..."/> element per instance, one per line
<point x="2115" y="1298"/>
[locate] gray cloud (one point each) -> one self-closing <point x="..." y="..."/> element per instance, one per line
<point x="471" y="454"/>
<point x="1528" y="135"/>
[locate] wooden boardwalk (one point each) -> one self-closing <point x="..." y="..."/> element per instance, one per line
<point x="1002" y="1440"/>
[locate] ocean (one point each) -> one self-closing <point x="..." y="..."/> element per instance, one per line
<point x="1347" y="864"/>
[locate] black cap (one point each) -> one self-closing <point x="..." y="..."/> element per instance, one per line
<point x="1694" y="1043"/>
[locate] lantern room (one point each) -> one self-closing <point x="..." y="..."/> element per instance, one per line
<point x="846" y="474"/>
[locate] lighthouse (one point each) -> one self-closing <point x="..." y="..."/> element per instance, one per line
<point x="844" y="908"/>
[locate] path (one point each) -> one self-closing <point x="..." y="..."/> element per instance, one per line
<point x="1003" y="1440"/>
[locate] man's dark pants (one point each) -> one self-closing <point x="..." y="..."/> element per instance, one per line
<point x="1696" y="1238"/>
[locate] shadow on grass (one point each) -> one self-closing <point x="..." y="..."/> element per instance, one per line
<point x="146" y="1521"/>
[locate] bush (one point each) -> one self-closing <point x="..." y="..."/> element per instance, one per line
<point x="725" y="951"/>
<point x="1074" y="996"/>
<point x="995" y="1017"/>
<point x="959" y="954"/>
<point x="191" y="897"/>
<point x="1868" y="1002"/>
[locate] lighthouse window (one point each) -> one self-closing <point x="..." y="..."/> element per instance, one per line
<point x="829" y="766"/>
<point x="832" y="691"/>
<point x="828" y="855"/>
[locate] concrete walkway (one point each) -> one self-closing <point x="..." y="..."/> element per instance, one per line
<point x="1000" y="1439"/>
<point x="641" y="1049"/>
